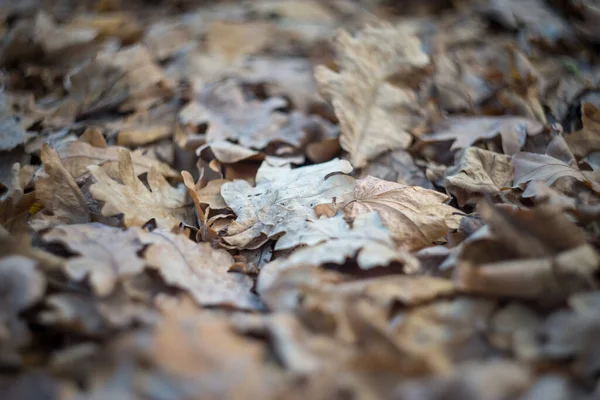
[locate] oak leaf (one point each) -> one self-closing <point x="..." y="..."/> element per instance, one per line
<point x="76" y="156"/>
<point x="166" y="204"/>
<point x="59" y="194"/>
<point x="586" y="140"/>
<point x="281" y="201"/>
<point x="465" y="131"/>
<point x="477" y="173"/>
<point x="415" y="216"/>
<point x="198" y="269"/>
<point x="375" y="116"/>
<point x="105" y="254"/>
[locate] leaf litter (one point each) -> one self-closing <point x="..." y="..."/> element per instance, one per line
<point x="299" y="199"/>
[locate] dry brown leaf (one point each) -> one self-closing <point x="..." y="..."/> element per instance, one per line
<point x="105" y="255"/>
<point x="59" y="194"/>
<point x="281" y="201"/>
<point x="397" y="166"/>
<point x="465" y="131"/>
<point x="587" y="140"/>
<point x="198" y="269"/>
<point x="375" y="116"/>
<point x="416" y="217"/>
<point x="76" y="156"/>
<point x="477" y="173"/>
<point x="164" y="203"/>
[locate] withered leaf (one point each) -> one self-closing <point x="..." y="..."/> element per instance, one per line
<point x="465" y="131"/>
<point x="59" y="194"/>
<point x="23" y="285"/>
<point x="166" y="204"/>
<point x="198" y="269"/>
<point x="106" y="255"/>
<point x="76" y="156"/>
<point x="229" y="115"/>
<point x="587" y="140"/>
<point x="281" y="201"/>
<point x="415" y="216"/>
<point x="375" y="116"/>
<point x="477" y="173"/>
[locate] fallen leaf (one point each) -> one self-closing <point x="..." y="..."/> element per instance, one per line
<point x="198" y="269"/>
<point x="281" y="201"/>
<point x="105" y="255"/>
<point x="76" y="156"/>
<point x="478" y="173"/>
<point x="416" y="217"/>
<point x="233" y="40"/>
<point x="58" y="192"/>
<point x="254" y="124"/>
<point x="12" y="132"/>
<point x="164" y="203"/>
<point x="465" y="131"/>
<point x="397" y="166"/>
<point x="587" y="140"/>
<point x="375" y="116"/>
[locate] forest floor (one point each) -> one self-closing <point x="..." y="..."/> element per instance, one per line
<point x="344" y="199"/>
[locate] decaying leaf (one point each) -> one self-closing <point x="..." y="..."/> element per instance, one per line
<point x="230" y="116"/>
<point x="478" y="173"/>
<point x="59" y="194"/>
<point x="465" y="131"/>
<point x="198" y="269"/>
<point x="164" y="203"/>
<point x="105" y="255"/>
<point x="375" y="116"/>
<point x="587" y="140"/>
<point x="281" y="201"/>
<point x="76" y="156"/>
<point x="415" y="216"/>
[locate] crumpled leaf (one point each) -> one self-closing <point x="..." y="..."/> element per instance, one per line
<point x="59" y="194"/>
<point x="375" y="115"/>
<point x="281" y="201"/>
<point x="476" y="173"/>
<point x="415" y="216"/>
<point x="397" y="166"/>
<point x="465" y="131"/>
<point x="332" y="240"/>
<point x="76" y="156"/>
<point x="106" y="255"/>
<point x="198" y="269"/>
<point x="164" y="203"/>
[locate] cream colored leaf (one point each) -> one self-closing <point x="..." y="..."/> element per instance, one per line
<point x="198" y="269"/>
<point x="375" y="116"/>
<point x="76" y="156"/>
<point x="105" y="254"/>
<point x="332" y="240"/>
<point x="477" y="173"/>
<point x="281" y="201"/>
<point x="59" y="193"/>
<point x="167" y="205"/>
<point x="542" y="167"/>
<point x="416" y="217"/>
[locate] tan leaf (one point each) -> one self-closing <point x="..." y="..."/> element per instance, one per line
<point x="166" y="204"/>
<point x="59" y="193"/>
<point x="281" y="201"/>
<point x="375" y="116"/>
<point x="233" y="40"/>
<point x="23" y="285"/>
<point x="198" y="269"/>
<point x="477" y="173"/>
<point x="106" y="255"/>
<point x="416" y="217"/>
<point x="465" y="131"/>
<point x="76" y="156"/>
<point x="587" y="140"/>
